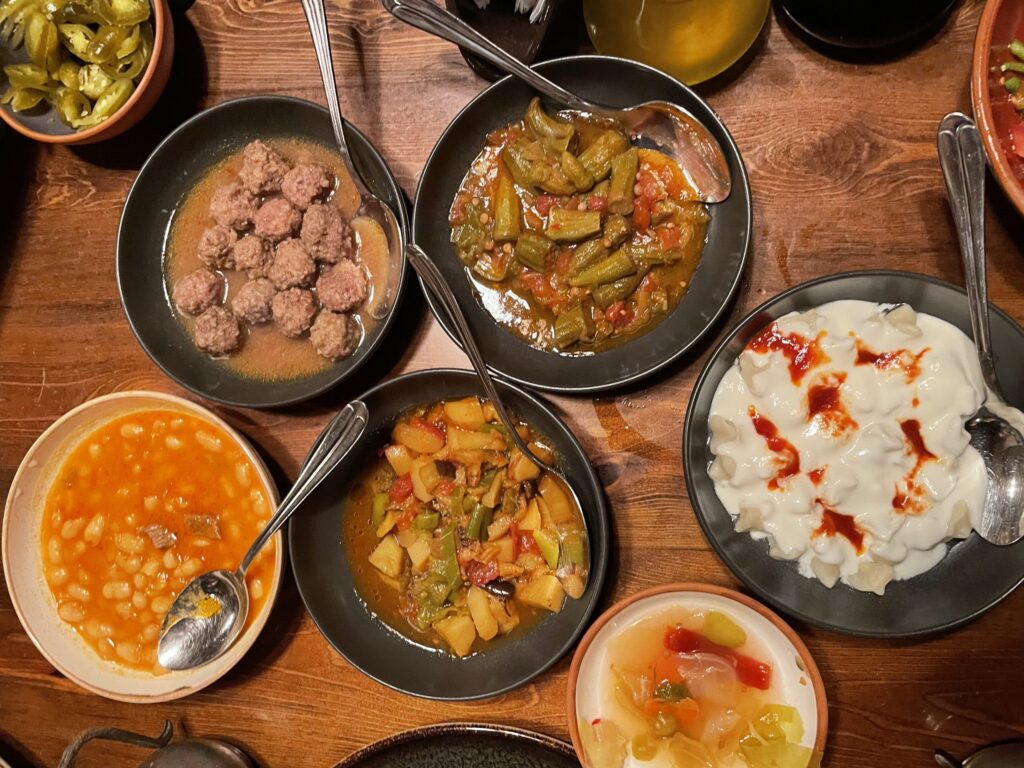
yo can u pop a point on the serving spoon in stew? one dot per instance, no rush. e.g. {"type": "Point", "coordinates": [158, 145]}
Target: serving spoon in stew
{"type": "Point", "coordinates": [371, 206]}
{"type": "Point", "coordinates": [209, 614]}
{"type": "Point", "coordinates": [572, 576]}
{"type": "Point", "coordinates": [658, 125]}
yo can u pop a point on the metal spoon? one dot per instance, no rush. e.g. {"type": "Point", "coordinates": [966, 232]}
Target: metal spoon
{"type": "Point", "coordinates": [438, 286]}
{"type": "Point", "coordinates": [658, 125]}
{"type": "Point", "coordinates": [999, 441]}
{"type": "Point", "coordinates": [210, 612]}
{"type": "Point", "coordinates": [1009, 754]}
{"type": "Point", "coordinates": [371, 205]}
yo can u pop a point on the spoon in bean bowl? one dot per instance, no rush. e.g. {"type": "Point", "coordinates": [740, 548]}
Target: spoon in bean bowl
{"type": "Point", "coordinates": [573, 557]}
{"type": "Point", "coordinates": [658, 125]}
{"type": "Point", "coordinates": [209, 614]}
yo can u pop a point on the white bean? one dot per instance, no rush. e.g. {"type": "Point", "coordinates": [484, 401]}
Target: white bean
{"type": "Point", "coordinates": [71, 612]}
{"type": "Point", "coordinates": [94, 450]}
{"type": "Point", "coordinates": [190, 567]}
{"type": "Point", "coordinates": [131, 430]}
{"type": "Point", "coordinates": [129, 542]}
{"type": "Point", "coordinates": [150, 632]}
{"type": "Point", "coordinates": [242, 474]}
{"type": "Point", "coordinates": [97, 629]}
{"type": "Point", "coordinates": [78, 592]}
{"type": "Point", "coordinates": [171, 560]}
{"type": "Point", "coordinates": [151, 566]}
{"type": "Point", "coordinates": [71, 528]}
{"type": "Point", "coordinates": [256, 589]}
{"type": "Point", "coordinates": [58, 575]}
{"type": "Point", "coordinates": [53, 551]}
{"type": "Point", "coordinates": [94, 530]}
{"type": "Point", "coordinates": [139, 580]}
{"type": "Point", "coordinates": [173, 442]}
{"type": "Point", "coordinates": [139, 600]}
{"type": "Point", "coordinates": [128, 563]}
{"type": "Point", "coordinates": [209, 442]}
{"type": "Point", "coordinates": [128, 651]}
{"type": "Point", "coordinates": [117, 590]}
{"type": "Point", "coordinates": [160, 605]}
{"type": "Point", "coordinates": [149, 503]}
{"type": "Point", "coordinates": [124, 610]}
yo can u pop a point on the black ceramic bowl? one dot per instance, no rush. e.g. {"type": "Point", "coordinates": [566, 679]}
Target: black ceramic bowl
{"type": "Point", "coordinates": [616, 82]}
{"type": "Point", "coordinates": [448, 745]}
{"type": "Point", "coordinates": [166, 178]}
{"type": "Point", "coordinates": [973, 576]}
{"type": "Point", "coordinates": [324, 575]}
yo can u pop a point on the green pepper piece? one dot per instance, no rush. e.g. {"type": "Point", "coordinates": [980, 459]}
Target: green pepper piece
{"type": "Point", "coordinates": [547, 543]}
{"type": "Point", "coordinates": [666, 691]}
{"type": "Point", "coordinates": [104, 45]}
{"type": "Point", "coordinates": [42, 42]}
{"type": "Point", "coordinates": [1017, 49]}
{"type": "Point", "coordinates": [1012, 84]}
{"type": "Point", "coordinates": [71, 105]}
{"type": "Point", "coordinates": [426, 521]}
{"type": "Point", "coordinates": [93, 80]}
{"type": "Point", "coordinates": [22, 99]}
{"type": "Point", "coordinates": [67, 74]}
{"type": "Point", "coordinates": [457, 497]}
{"type": "Point", "coordinates": [26, 76]}
{"type": "Point", "coordinates": [122, 12]}
{"type": "Point", "coordinates": [575, 552]}
{"type": "Point", "coordinates": [77, 38]}
{"type": "Point", "coordinates": [446, 543]}
{"type": "Point", "coordinates": [476, 522]}
{"type": "Point", "coordinates": [130, 43]}
{"type": "Point", "coordinates": [510, 501]}
{"type": "Point", "coordinates": [111, 100]}
{"type": "Point", "coordinates": [1012, 66]}
{"type": "Point", "coordinates": [379, 509]}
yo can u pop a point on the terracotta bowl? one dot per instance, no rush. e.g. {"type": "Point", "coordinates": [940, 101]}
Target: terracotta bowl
{"type": "Point", "coordinates": [47, 127]}
{"type": "Point", "coordinates": [797, 674]}
{"type": "Point", "coordinates": [1001, 22]}
{"type": "Point", "coordinates": [23, 567]}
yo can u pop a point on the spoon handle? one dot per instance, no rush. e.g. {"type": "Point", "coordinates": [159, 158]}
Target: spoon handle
{"type": "Point", "coordinates": [963, 166]}
{"type": "Point", "coordinates": [431, 18]}
{"type": "Point", "coordinates": [438, 286]}
{"type": "Point", "coordinates": [316, 18]}
{"type": "Point", "coordinates": [329, 449]}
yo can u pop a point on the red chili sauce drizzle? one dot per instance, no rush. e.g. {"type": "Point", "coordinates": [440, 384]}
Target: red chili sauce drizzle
{"type": "Point", "coordinates": [789, 456]}
{"type": "Point", "coordinates": [817, 475]}
{"type": "Point", "coordinates": [833, 523]}
{"type": "Point", "coordinates": [898, 360]}
{"type": "Point", "coordinates": [825, 405]}
{"type": "Point", "coordinates": [908, 499]}
{"type": "Point", "coordinates": [802, 353]}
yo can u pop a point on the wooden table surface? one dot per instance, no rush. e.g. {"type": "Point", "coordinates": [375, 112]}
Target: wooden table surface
{"type": "Point", "coordinates": [844, 175]}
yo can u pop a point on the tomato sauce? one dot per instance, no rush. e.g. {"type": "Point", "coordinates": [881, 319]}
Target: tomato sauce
{"type": "Point", "coordinates": [789, 456]}
{"type": "Point", "coordinates": [803, 354]}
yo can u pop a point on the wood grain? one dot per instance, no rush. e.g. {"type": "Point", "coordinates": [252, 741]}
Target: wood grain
{"type": "Point", "coordinates": [844, 175]}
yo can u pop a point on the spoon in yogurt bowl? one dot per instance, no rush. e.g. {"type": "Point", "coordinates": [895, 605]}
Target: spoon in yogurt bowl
{"type": "Point", "coordinates": [996, 429]}
{"type": "Point", "coordinates": [658, 125]}
{"type": "Point", "coordinates": [209, 614]}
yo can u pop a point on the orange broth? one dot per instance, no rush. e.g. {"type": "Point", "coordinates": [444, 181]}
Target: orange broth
{"type": "Point", "coordinates": [162, 468]}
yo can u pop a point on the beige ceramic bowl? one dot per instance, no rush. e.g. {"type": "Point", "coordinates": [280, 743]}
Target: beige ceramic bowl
{"type": "Point", "coordinates": [797, 677]}
{"type": "Point", "coordinates": [23, 566]}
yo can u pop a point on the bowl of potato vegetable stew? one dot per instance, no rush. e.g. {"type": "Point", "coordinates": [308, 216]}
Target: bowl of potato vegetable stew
{"type": "Point", "coordinates": [582, 261]}
{"type": "Point", "coordinates": [115, 509]}
{"type": "Point", "coordinates": [439, 559]}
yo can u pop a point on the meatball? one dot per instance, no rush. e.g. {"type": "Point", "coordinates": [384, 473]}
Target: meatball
{"type": "Point", "coordinates": [334, 336]}
{"type": "Point", "coordinates": [232, 205]}
{"type": "Point", "coordinates": [252, 302]}
{"type": "Point", "coordinates": [217, 331]}
{"type": "Point", "coordinates": [326, 234]}
{"type": "Point", "coordinates": [305, 183]}
{"type": "Point", "coordinates": [292, 267]}
{"type": "Point", "coordinates": [216, 247]}
{"type": "Point", "coordinates": [252, 253]}
{"type": "Point", "coordinates": [293, 311]}
{"type": "Point", "coordinates": [263, 169]}
{"type": "Point", "coordinates": [277, 219]}
{"type": "Point", "coordinates": [343, 287]}
{"type": "Point", "coordinates": [197, 291]}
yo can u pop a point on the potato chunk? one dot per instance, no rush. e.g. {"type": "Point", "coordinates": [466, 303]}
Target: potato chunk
{"type": "Point", "coordinates": [459, 632]}
{"type": "Point", "coordinates": [466, 413]}
{"type": "Point", "coordinates": [543, 592]}
{"type": "Point", "coordinates": [480, 611]}
{"type": "Point", "coordinates": [388, 557]}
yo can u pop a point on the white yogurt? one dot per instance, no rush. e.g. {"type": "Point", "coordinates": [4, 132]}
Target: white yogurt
{"type": "Point", "coordinates": [886, 472]}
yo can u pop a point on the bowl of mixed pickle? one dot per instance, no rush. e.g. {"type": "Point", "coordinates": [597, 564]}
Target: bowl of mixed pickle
{"type": "Point", "coordinates": [80, 71]}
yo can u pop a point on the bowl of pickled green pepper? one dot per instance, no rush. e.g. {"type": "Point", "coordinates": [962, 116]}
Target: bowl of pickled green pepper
{"type": "Point", "coordinates": [80, 71]}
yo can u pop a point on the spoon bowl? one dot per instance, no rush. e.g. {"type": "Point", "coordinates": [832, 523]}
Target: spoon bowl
{"type": "Point", "coordinates": [657, 125]}
{"type": "Point", "coordinates": [993, 429]}
{"type": "Point", "coordinates": [209, 614]}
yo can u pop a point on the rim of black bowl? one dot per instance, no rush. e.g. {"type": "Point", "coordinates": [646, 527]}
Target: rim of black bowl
{"type": "Point", "coordinates": [718, 546]}
{"type": "Point", "coordinates": [729, 147]}
{"type": "Point", "coordinates": [598, 558]}
{"type": "Point", "coordinates": [510, 732]}
{"type": "Point", "coordinates": [403, 230]}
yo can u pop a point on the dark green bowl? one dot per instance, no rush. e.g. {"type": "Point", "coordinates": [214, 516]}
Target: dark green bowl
{"type": "Point", "coordinates": [166, 179]}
